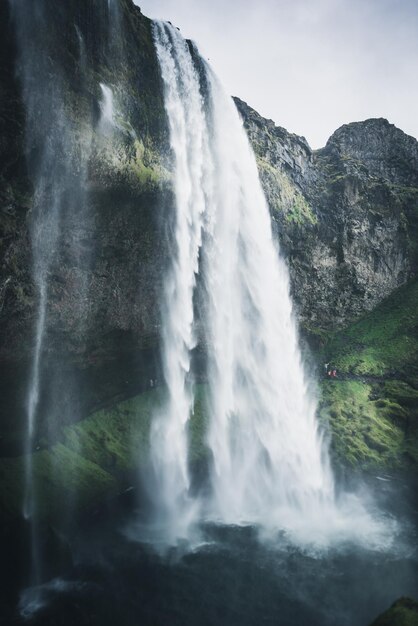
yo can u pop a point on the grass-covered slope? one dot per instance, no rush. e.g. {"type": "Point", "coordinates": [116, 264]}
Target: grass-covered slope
{"type": "Point", "coordinates": [94, 459]}
{"type": "Point", "coordinates": [404, 612]}
{"type": "Point", "coordinates": [373, 405]}
{"type": "Point", "coordinates": [383, 342]}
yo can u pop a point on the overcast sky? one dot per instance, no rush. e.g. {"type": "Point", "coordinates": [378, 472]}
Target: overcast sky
{"type": "Point", "coordinates": [310, 65]}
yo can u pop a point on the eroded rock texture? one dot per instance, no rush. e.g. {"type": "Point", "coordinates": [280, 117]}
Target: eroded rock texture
{"type": "Point", "coordinates": [346, 215]}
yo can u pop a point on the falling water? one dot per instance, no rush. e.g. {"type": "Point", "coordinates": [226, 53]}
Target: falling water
{"type": "Point", "coordinates": [263, 434]}
{"type": "Point", "coordinates": [107, 117]}
{"type": "Point", "coordinates": [188, 136]}
{"type": "Point", "coordinates": [45, 212]}
{"type": "Point", "coordinates": [270, 464]}
{"type": "Point", "coordinates": [269, 461]}
{"type": "Point", "coordinates": [56, 167]}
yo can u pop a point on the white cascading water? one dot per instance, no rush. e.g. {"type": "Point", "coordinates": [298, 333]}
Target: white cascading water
{"type": "Point", "coordinates": [184, 106]}
{"type": "Point", "coordinates": [270, 465]}
{"type": "Point", "coordinates": [107, 110]}
{"type": "Point", "coordinates": [268, 457]}
{"type": "Point", "coordinates": [269, 461]}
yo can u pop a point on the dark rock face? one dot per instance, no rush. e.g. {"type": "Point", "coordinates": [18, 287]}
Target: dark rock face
{"type": "Point", "coordinates": [105, 275]}
{"type": "Point", "coordinates": [346, 215]}
{"type": "Point", "coordinates": [114, 236]}
{"type": "Point", "coordinates": [385, 151]}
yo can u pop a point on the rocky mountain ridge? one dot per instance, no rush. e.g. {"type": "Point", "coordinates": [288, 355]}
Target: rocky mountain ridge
{"type": "Point", "coordinates": [346, 215]}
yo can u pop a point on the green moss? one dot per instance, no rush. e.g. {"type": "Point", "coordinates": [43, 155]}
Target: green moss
{"type": "Point", "coordinates": [147, 167]}
{"type": "Point", "coordinates": [288, 199]}
{"type": "Point", "coordinates": [300, 212]}
{"type": "Point", "coordinates": [110, 437]}
{"type": "Point", "coordinates": [383, 341]}
{"type": "Point", "coordinates": [363, 435]}
{"type": "Point", "coordinates": [96, 457]}
{"type": "Point", "coordinates": [373, 414]}
{"type": "Point", "coordinates": [373, 406]}
{"type": "Point", "coordinates": [90, 462]}
{"type": "Point", "coordinates": [404, 612]}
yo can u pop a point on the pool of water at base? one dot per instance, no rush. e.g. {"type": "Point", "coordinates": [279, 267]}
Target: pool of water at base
{"type": "Point", "coordinates": [227, 576]}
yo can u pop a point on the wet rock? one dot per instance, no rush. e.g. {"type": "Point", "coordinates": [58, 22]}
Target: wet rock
{"type": "Point", "coordinates": [403, 612]}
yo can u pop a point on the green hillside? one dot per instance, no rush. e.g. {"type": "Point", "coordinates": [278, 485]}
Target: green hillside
{"type": "Point", "coordinates": [373, 405]}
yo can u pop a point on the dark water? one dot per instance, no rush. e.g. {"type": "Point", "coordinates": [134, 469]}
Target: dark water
{"type": "Point", "coordinates": [230, 577]}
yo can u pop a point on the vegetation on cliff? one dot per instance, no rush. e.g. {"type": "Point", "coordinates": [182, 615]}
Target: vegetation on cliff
{"type": "Point", "coordinates": [403, 612]}
{"type": "Point", "coordinates": [373, 404]}
{"type": "Point", "coordinates": [94, 458]}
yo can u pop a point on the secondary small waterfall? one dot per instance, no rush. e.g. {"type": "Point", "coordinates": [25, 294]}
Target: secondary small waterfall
{"type": "Point", "coordinates": [107, 118]}
{"type": "Point", "coordinates": [45, 173]}
{"type": "Point", "coordinates": [56, 154]}
{"type": "Point", "coordinates": [269, 464]}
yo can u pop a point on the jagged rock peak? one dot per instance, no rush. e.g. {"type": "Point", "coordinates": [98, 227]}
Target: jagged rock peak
{"type": "Point", "coordinates": [376, 126]}
{"type": "Point", "coordinates": [387, 151]}
{"type": "Point", "coordinates": [249, 114]}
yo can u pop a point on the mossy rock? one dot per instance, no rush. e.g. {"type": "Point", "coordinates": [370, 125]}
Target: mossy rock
{"type": "Point", "coordinates": [370, 432]}
{"type": "Point", "coordinates": [404, 612]}
{"type": "Point", "coordinates": [363, 435]}
{"type": "Point", "coordinates": [96, 458]}
{"type": "Point", "coordinates": [373, 404]}
{"type": "Point", "coordinates": [383, 342]}
{"type": "Point", "coordinates": [91, 461]}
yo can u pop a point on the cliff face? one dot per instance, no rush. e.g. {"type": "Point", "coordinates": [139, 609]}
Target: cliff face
{"type": "Point", "coordinates": [114, 223]}
{"type": "Point", "coordinates": [346, 215]}
{"type": "Point", "coordinates": [83, 103]}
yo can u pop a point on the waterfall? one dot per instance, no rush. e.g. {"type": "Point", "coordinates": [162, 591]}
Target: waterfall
{"type": "Point", "coordinates": [44, 126]}
{"type": "Point", "coordinates": [107, 118]}
{"type": "Point", "coordinates": [269, 461]}
{"type": "Point", "coordinates": [188, 137]}
{"type": "Point", "coordinates": [56, 154]}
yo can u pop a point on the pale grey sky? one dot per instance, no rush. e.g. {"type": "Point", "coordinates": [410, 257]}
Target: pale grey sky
{"type": "Point", "coordinates": [310, 65]}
